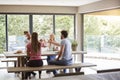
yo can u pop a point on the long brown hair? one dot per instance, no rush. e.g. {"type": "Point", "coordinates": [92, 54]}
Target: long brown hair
{"type": "Point", "coordinates": [35, 43]}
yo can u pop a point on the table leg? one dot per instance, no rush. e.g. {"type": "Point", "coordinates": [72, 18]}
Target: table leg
{"type": "Point", "coordinates": [18, 61]}
{"type": "Point", "coordinates": [23, 75]}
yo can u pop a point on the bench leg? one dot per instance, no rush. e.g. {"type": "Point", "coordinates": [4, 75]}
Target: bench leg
{"type": "Point", "coordinates": [39, 74]}
{"type": "Point", "coordinates": [15, 65]}
{"type": "Point", "coordinates": [77, 69]}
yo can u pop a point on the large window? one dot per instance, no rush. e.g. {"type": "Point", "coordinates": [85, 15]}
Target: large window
{"type": "Point", "coordinates": [102, 34]}
{"type": "Point", "coordinates": [17, 24]}
{"type": "Point", "coordinates": [64, 22]}
{"type": "Point", "coordinates": [43, 25]}
{"type": "Point", "coordinates": [2, 34]}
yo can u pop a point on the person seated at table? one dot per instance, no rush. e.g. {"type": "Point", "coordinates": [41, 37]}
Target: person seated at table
{"type": "Point", "coordinates": [28, 37]}
{"type": "Point", "coordinates": [65, 54]}
{"type": "Point", "coordinates": [51, 47]}
{"type": "Point", "coordinates": [34, 52]}
{"type": "Point", "coordinates": [27, 40]}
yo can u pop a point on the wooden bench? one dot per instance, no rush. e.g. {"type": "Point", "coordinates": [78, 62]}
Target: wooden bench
{"type": "Point", "coordinates": [108, 70]}
{"type": "Point", "coordinates": [47, 67]}
{"type": "Point", "coordinates": [7, 60]}
{"type": "Point", "coordinates": [104, 70]}
{"type": "Point", "coordinates": [69, 74]}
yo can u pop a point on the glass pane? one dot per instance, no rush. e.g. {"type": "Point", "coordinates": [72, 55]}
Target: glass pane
{"type": "Point", "coordinates": [102, 34]}
{"type": "Point", "coordinates": [2, 34]}
{"type": "Point", "coordinates": [43, 25]}
{"type": "Point", "coordinates": [64, 22]}
{"type": "Point", "coordinates": [17, 24]}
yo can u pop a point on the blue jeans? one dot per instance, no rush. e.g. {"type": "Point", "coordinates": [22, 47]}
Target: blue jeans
{"type": "Point", "coordinates": [60, 62]}
{"type": "Point", "coordinates": [50, 58]}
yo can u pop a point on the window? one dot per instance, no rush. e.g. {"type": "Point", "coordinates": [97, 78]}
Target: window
{"type": "Point", "coordinates": [17, 24]}
{"type": "Point", "coordinates": [43, 25]}
{"type": "Point", "coordinates": [102, 34]}
{"type": "Point", "coordinates": [64, 22]}
{"type": "Point", "coordinates": [2, 34]}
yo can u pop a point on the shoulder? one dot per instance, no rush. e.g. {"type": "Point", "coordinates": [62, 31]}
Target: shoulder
{"type": "Point", "coordinates": [63, 41]}
{"type": "Point", "coordinates": [29, 44]}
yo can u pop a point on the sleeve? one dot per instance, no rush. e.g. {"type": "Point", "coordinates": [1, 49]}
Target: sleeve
{"type": "Point", "coordinates": [42, 44]}
{"type": "Point", "coordinates": [62, 42]}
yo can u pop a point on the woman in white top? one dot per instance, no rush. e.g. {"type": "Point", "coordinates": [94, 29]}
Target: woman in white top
{"type": "Point", "coordinates": [51, 47]}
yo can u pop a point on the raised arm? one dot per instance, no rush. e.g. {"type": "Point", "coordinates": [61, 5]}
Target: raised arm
{"type": "Point", "coordinates": [55, 43]}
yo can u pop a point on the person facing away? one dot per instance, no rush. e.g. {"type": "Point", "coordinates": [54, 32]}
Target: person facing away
{"type": "Point", "coordinates": [65, 54]}
{"type": "Point", "coordinates": [34, 53]}
{"type": "Point", "coordinates": [28, 37]}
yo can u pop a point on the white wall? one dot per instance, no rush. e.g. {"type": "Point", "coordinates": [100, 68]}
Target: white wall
{"type": "Point", "coordinates": [36, 9]}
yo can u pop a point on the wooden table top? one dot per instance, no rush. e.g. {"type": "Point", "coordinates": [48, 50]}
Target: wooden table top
{"type": "Point", "coordinates": [44, 53]}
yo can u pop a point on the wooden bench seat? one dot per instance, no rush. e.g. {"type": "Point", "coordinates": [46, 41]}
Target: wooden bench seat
{"type": "Point", "coordinates": [108, 70]}
{"type": "Point", "coordinates": [7, 60]}
{"type": "Point", "coordinates": [69, 74]}
{"type": "Point", "coordinates": [104, 70]}
{"type": "Point", "coordinates": [47, 67]}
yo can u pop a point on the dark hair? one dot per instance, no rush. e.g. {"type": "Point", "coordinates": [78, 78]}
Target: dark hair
{"type": "Point", "coordinates": [25, 32]}
{"type": "Point", "coordinates": [64, 33]}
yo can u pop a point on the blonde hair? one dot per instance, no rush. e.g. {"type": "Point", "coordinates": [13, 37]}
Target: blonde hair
{"type": "Point", "coordinates": [52, 37]}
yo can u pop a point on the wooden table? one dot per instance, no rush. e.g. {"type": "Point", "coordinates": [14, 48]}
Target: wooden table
{"type": "Point", "coordinates": [44, 53]}
{"type": "Point", "coordinates": [20, 56]}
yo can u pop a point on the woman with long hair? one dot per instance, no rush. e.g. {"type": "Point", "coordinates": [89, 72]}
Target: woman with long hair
{"type": "Point", "coordinates": [34, 53]}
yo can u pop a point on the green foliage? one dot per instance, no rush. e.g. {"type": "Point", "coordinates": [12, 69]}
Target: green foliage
{"type": "Point", "coordinates": [43, 24]}
{"type": "Point", "coordinates": [2, 33]}
{"type": "Point", "coordinates": [65, 22]}
{"type": "Point", "coordinates": [17, 24]}
{"type": "Point", "coordinates": [74, 43]}
{"type": "Point", "coordinates": [97, 26]}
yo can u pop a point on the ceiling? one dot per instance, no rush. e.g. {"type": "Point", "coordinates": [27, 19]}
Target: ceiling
{"type": "Point", "coordinates": [47, 2]}
{"type": "Point", "coordinates": [114, 12]}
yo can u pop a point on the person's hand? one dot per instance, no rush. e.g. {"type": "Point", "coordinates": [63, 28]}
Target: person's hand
{"type": "Point", "coordinates": [49, 41]}
{"type": "Point", "coordinates": [57, 59]}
